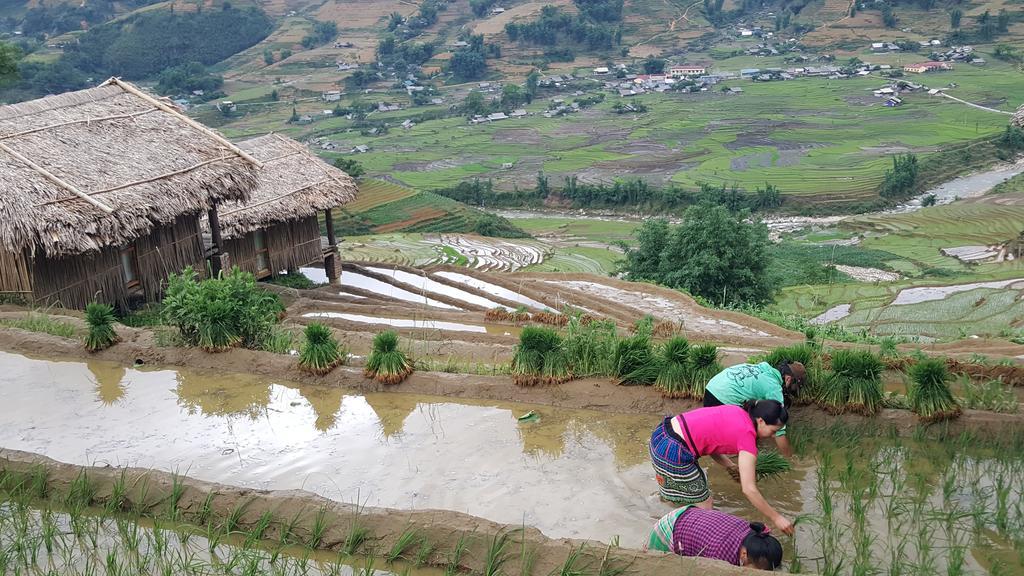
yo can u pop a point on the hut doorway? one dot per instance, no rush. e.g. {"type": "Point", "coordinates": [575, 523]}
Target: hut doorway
{"type": "Point", "coordinates": [130, 269]}
{"type": "Point", "coordinates": [262, 253]}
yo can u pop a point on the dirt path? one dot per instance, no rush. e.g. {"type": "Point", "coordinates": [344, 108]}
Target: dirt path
{"type": "Point", "coordinates": [972, 105]}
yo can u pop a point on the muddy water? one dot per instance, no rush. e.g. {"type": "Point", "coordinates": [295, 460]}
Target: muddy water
{"type": "Point", "coordinates": [498, 329]}
{"type": "Point", "coordinates": [425, 283]}
{"type": "Point", "coordinates": [572, 473]}
{"type": "Point", "coordinates": [384, 289]}
{"type": "Point", "coordinates": [931, 293]}
{"type": "Point", "coordinates": [492, 289]}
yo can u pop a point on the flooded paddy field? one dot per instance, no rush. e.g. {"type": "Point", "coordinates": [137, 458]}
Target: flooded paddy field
{"type": "Point", "coordinates": [865, 504]}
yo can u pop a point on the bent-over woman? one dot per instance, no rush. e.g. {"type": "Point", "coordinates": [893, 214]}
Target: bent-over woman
{"type": "Point", "coordinates": [679, 441]}
{"type": "Point", "coordinates": [692, 531]}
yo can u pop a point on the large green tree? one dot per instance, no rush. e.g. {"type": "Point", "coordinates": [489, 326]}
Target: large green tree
{"type": "Point", "coordinates": [8, 62]}
{"type": "Point", "coordinates": [714, 253]}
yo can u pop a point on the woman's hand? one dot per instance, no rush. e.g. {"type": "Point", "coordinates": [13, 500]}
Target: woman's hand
{"type": "Point", "coordinates": [734, 471]}
{"type": "Point", "coordinates": [782, 524]}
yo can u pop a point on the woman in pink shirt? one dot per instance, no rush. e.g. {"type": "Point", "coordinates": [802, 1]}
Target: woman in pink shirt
{"type": "Point", "coordinates": [678, 443]}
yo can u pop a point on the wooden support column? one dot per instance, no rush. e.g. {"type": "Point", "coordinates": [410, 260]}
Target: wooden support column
{"type": "Point", "coordinates": [219, 259]}
{"type": "Point", "coordinates": [332, 260]}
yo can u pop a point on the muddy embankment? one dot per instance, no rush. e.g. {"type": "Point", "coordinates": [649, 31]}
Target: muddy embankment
{"type": "Point", "coordinates": [149, 492]}
{"type": "Point", "coordinates": [599, 394]}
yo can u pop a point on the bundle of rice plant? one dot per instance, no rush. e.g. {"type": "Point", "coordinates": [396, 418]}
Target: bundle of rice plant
{"type": "Point", "coordinates": [320, 351]}
{"type": "Point", "coordinates": [387, 364]}
{"type": "Point", "coordinates": [861, 373]}
{"type": "Point", "coordinates": [498, 314]}
{"type": "Point", "coordinates": [929, 394]}
{"type": "Point", "coordinates": [590, 348]}
{"type": "Point", "coordinates": [770, 463]}
{"type": "Point", "coordinates": [539, 358]}
{"type": "Point", "coordinates": [834, 394]}
{"type": "Point", "coordinates": [673, 378]}
{"type": "Point", "coordinates": [550, 318]}
{"type": "Point", "coordinates": [101, 335]}
{"type": "Point", "coordinates": [703, 366]}
{"type": "Point", "coordinates": [808, 355]}
{"type": "Point", "coordinates": [635, 362]}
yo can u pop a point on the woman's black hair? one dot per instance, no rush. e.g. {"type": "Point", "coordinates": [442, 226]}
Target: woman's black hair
{"type": "Point", "coordinates": [785, 370]}
{"type": "Point", "coordinates": [763, 550]}
{"type": "Point", "coordinates": [771, 411]}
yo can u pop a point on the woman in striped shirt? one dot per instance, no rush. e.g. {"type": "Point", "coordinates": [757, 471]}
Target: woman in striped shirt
{"type": "Point", "coordinates": [692, 531]}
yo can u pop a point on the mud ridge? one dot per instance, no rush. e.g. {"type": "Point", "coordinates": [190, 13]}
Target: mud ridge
{"type": "Point", "coordinates": [149, 492]}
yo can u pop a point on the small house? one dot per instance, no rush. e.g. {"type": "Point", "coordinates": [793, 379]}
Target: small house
{"type": "Point", "coordinates": [894, 102]}
{"type": "Point", "coordinates": [923, 67]}
{"type": "Point", "coordinates": [686, 70]}
{"type": "Point", "coordinates": [331, 96]}
{"type": "Point", "coordinates": [278, 228]}
{"type": "Point", "coordinates": [601, 70]}
{"type": "Point", "coordinates": [102, 195]}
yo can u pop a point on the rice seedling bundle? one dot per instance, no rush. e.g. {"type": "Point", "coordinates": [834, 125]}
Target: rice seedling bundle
{"type": "Point", "coordinates": [320, 352]}
{"type": "Point", "coordinates": [550, 318]}
{"type": "Point", "coordinates": [499, 314]}
{"type": "Point", "coordinates": [673, 378]}
{"type": "Point", "coordinates": [539, 358]}
{"type": "Point", "coordinates": [860, 373]}
{"type": "Point", "coordinates": [589, 348]}
{"type": "Point", "coordinates": [635, 362]}
{"type": "Point", "coordinates": [100, 319]}
{"type": "Point", "coordinates": [387, 364]}
{"type": "Point", "coordinates": [770, 463]}
{"type": "Point", "coordinates": [703, 366]}
{"type": "Point", "coordinates": [929, 395]}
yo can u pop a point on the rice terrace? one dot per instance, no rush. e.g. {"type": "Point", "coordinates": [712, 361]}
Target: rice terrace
{"type": "Point", "coordinates": [511, 288]}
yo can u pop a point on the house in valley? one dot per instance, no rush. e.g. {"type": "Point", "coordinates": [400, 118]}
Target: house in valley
{"type": "Point", "coordinates": [924, 67]}
{"type": "Point", "coordinates": [278, 228]}
{"type": "Point", "coordinates": [102, 194]}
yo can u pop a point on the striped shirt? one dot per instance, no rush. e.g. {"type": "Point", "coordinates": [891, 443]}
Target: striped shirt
{"type": "Point", "coordinates": [709, 534]}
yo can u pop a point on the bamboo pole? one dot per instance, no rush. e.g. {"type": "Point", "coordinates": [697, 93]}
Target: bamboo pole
{"type": "Point", "coordinates": [170, 110]}
{"type": "Point", "coordinates": [133, 115]}
{"type": "Point", "coordinates": [56, 180]}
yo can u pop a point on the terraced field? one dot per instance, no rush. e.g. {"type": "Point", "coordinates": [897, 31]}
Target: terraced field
{"type": "Point", "coordinates": [373, 193]}
{"type": "Point", "coordinates": [481, 253]}
{"type": "Point", "coordinates": [382, 207]}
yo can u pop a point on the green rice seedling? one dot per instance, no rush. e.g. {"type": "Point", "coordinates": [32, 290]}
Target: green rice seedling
{"type": "Point", "coordinates": [858, 375]}
{"type": "Point", "coordinates": [38, 482]}
{"type": "Point", "coordinates": [174, 498]}
{"type": "Point", "coordinates": [205, 513]}
{"type": "Point", "coordinates": [260, 527]}
{"type": "Point", "coordinates": [81, 493]}
{"type": "Point", "coordinates": [423, 553]}
{"type": "Point", "coordinates": [387, 364]}
{"type": "Point", "coordinates": [320, 352]}
{"type": "Point", "coordinates": [454, 564]}
{"type": "Point", "coordinates": [589, 348]}
{"type": "Point", "coordinates": [320, 525]}
{"type": "Point", "coordinates": [357, 532]}
{"type": "Point", "coordinates": [929, 395]}
{"type": "Point", "coordinates": [539, 358]}
{"type": "Point", "coordinates": [278, 340]}
{"type": "Point", "coordinates": [368, 563]}
{"type": "Point", "coordinates": [406, 540]}
{"type": "Point", "coordinates": [635, 361]}
{"type": "Point", "coordinates": [993, 396]}
{"type": "Point", "coordinates": [770, 464]}
{"type": "Point", "coordinates": [573, 565]}
{"type": "Point", "coordinates": [100, 320]}
{"type": "Point", "coordinates": [234, 519]}
{"type": "Point", "coordinates": [703, 366]}
{"type": "Point", "coordinates": [497, 554]}
{"type": "Point", "coordinates": [118, 494]}
{"type": "Point", "coordinates": [288, 532]}
{"type": "Point", "coordinates": [673, 378]}
{"type": "Point", "coordinates": [611, 566]}
{"type": "Point", "coordinates": [36, 321]}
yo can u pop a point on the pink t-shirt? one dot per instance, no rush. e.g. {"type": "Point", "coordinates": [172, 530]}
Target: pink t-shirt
{"type": "Point", "coordinates": [719, 430]}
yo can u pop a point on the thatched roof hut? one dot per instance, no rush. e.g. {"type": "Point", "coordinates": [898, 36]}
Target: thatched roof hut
{"type": "Point", "coordinates": [280, 218]}
{"type": "Point", "coordinates": [89, 173]}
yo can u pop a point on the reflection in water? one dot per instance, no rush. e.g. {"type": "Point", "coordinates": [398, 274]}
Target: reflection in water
{"type": "Point", "coordinates": [864, 502]}
{"type": "Point", "coordinates": [109, 381]}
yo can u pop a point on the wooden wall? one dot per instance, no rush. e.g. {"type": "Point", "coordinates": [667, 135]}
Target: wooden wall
{"type": "Point", "coordinates": [290, 245]}
{"type": "Point", "coordinates": [15, 275]}
{"type": "Point", "coordinates": [73, 282]}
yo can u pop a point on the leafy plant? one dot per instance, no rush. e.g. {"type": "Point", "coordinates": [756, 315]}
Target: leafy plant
{"type": "Point", "coordinates": [674, 377]}
{"type": "Point", "coordinates": [929, 394]}
{"type": "Point", "coordinates": [635, 361]}
{"type": "Point", "coordinates": [219, 313]}
{"type": "Point", "coordinates": [387, 364]}
{"type": "Point", "coordinates": [539, 358]}
{"type": "Point", "coordinates": [100, 320]}
{"type": "Point", "coordinates": [405, 541]}
{"type": "Point", "coordinates": [320, 352]}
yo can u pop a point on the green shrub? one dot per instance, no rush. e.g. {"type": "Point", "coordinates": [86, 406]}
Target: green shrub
{"type": "Point", "coordinates": [589, 348]}
{"type": "Point", "coordinates": [703, 365]}
{"type": "Point", "coordinates": [320, 351]}
{"type": "Point", "coordinates": [857, 376]}
{"type": "Point", "coordinates": [539, 358]}
{"type": "Point", "coordinates": [387, 364]}
{"type": "Point", "coordinates": [929, 394]}
{"type": "Point", "coordinates": [219, 313]}
{"type": "Point", "coordinates": [100, 320]}
{"type": "Point", "coordinates": [296, 280]}
{"type": "Point", "coordinates": [674, 377]}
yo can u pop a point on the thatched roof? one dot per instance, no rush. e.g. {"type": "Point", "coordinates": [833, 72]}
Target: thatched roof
{"type": "Point", "coordinates": [101, 167]}
{"type": "Point", "coordinates": [293, 184]}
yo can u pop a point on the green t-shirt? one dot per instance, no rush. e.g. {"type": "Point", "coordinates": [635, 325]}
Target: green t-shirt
{"type": "Point", "coordinates": [737, 384]}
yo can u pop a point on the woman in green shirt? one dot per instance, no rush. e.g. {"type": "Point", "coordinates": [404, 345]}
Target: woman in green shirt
{"type": "Point", "coordinates": [737, 384]}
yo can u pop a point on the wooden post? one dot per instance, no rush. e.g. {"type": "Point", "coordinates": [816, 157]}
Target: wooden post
{"type": "Point", "coordinates": [216, 263]}
{"type": "Point", "coordinates": [332, 263]}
